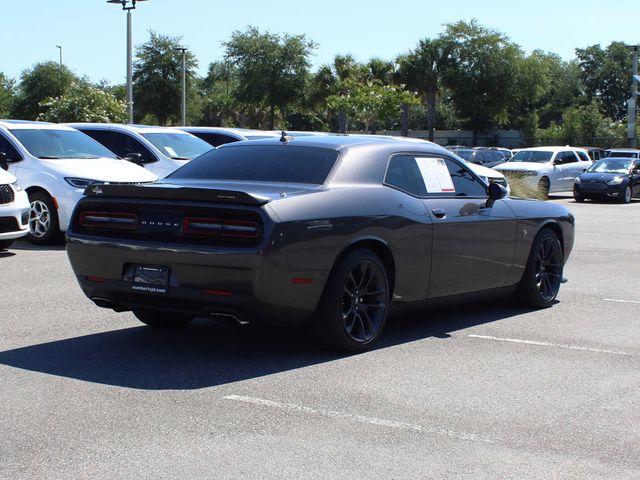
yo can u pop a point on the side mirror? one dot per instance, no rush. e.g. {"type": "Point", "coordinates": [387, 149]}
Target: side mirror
{"type": "Point", "coordinates": [136, 158]}
{"type": "Point", "coordinates": [558, 161]}
{"type": "Point", "coordinates": [497, 191]}
{"type": "Point", "coordinates": [3, 161]}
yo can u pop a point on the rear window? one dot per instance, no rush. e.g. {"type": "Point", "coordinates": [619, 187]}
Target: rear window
{"type": "Point", "coordinates": [261, 163]}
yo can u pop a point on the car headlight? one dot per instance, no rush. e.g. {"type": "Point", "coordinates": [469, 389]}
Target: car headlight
{"type": "Point", "coordinates": [578, 180]}
{"type": "Point", "coordinates": [616, 181]}
{"type": "Point", "coordinates": [80, 182]}
{"type": "Point", "coordinates": [529, 173]}
{"type": "Point", "coordinates": [17, 186]}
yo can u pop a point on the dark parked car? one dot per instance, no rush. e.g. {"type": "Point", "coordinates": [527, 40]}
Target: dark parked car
{"type": "Point", "coordinates": [328, 231]}
{"type": "Point", "coordinates": [485, 157]}
{"type": "Point", "coordinates": [613, 178]}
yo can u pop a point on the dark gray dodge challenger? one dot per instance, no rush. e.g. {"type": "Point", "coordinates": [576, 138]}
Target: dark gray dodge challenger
{"type": "Point", "coordinates": [324, 231]}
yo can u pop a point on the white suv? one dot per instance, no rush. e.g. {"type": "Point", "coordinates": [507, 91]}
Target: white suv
{"type": "Point", "coordinates": [160, 150]}
{"type": "Point", "coordinates": [14, 208]}
{"type": "Point", "coordinates": [55, 164]}
{"type": "Point", "coordinates": [550, 169]}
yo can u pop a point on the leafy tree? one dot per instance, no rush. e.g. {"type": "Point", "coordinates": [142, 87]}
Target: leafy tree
{"type": "Point", "coordinates": [369, 102]}
{"type": "Point", "coordinates": [480, 74]}
{"type": "Point", "coordinates": [44, 80]}
{"type": "Point", "coordinates": [84, 103]}
{"type": "Point", "coordinates": [606, 74]}
{"type": "Point", "coordinates": [422, 71]}
{"type": "Point", "coordinates": [7, 94]}
{"type": "Point", "coordinates": [157, 75]}
{"type": "Point", "coordinates": [272, 69]}
{"type": "Point", "coordinates": [565, 88]}
{"type": "Point", "coordinates": [219, 105]}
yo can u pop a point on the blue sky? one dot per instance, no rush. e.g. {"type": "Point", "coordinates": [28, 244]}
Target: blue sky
{"type": "Point", "coordinates": [92, 32]}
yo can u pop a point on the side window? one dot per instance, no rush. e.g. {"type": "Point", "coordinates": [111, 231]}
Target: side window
{"type": "Point", "coordinates": [583, 157]}
{"type": "Point", "coordinates": [465, 184]}
{"type": "Point", "coordinates": [100, 136]}
{"type": "Point", "coordinates": [9, 150]}
{"type": "Point", "coordinates": [216, 139]}
{"type": "Point", "coordinates": [568, 157]}
{"type": "Point", "coordinates": [425, 176]}
{"type": "Point", "coordinates": [123, 145]}
{"type": "Point", "coordinates": [403, 173]}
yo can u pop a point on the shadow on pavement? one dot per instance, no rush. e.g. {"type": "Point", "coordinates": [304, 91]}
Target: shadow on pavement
{"type": "Point", "coordinates": [208, 354]}
{"type": "Point", "coordinates": [27, 245]}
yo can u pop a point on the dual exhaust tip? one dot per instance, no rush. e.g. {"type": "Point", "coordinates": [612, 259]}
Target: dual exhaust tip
{"type": "Point", "coordinates": [225, 316]}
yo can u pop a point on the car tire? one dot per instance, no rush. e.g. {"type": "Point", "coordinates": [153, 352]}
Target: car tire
{"type": "Point", "coordinates": [543, 274]}
{"type": "Point", "coordinates": [157, 319]}
{"type": "Point", "coordinates": [353, 309]}
{"type": "Point", "coordinates": [44, 228]}
{"type": "Point", "coordinates": [4, 244]}
{"type": "Point", "coordinates": [543, 187]}
{"type": "Point", "coordinates": [627, 195]}
{"type": "Point", "coordinates": [578, 198]}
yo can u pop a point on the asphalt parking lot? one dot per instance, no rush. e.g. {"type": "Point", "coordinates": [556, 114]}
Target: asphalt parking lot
{"type": "Point", "coordinates": [480, 391]}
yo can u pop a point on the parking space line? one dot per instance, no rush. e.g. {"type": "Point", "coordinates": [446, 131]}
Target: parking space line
{"type": "Point", "coordinates": [379, 422]}
{"type": "Point", "coordinates": [620, 301]}
{"type": "Point", "coordinates": [554, 345]}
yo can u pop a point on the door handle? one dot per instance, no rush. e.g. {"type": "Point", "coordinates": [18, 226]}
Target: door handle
{"type": "Point", "coordinates": [438, 212]}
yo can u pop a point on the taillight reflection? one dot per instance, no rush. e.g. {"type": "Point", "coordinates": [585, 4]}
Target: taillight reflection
{"type": "Point", "coordinates": [108, 220]}
{"type": "Point", "coordinates": [220, 227]}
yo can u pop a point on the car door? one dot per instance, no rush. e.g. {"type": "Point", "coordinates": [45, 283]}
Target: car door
{"type": "Point", "coordinates": [473, 237]}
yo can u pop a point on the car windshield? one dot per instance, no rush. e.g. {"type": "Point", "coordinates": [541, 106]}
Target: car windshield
{"type": "Point", "coordinates": [179, 146]}
{"type": "Point", "coordinates": [535, 156]}
{"type": "Point", "coordinates": [56, 144]}
{"type": "Point", "coordinates": [259, 163]}
{"type": "Point", "coordinates": [464, 154]}
{"type": "Point", "coordinates": [611, 165]}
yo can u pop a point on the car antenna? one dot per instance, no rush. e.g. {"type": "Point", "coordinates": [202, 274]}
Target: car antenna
{"type": "Point", "coordinates": [285, 138]}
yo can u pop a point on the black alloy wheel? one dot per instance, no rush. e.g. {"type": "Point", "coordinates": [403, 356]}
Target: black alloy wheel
{"type": "Point", "coordinates": [543, 275]}
{"type": "Point", "coordinates": [626, 195]}
{"type": "Point", "coordinates": [354, 306]}
{"type": "Point", "coordinates": [578, 198]}
{"type": "Point", "coordinates": [157, 319]}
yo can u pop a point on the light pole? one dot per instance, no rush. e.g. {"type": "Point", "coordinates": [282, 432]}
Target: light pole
{"type": "Point", "coordinates": [183, 102]}
{"type": "Point", "coordinates": [128, 5]}
{"type": "Point", "coordinates": [631, 103]}
{"type": "Point", "coordinates": [60, 48]}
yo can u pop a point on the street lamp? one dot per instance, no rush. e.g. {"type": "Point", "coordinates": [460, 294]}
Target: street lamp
{"type": "Point", "coordinates": [184, 85]}
{"type": "Point", "coordinates": [128, 5]}
{"type": "Point", "coordinates": [60, 48]}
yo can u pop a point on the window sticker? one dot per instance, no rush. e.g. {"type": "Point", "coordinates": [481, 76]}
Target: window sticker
{"type": "Point", "coordinates": [170, 151]}
{"type": "Point", "coordinates": [436, 175]}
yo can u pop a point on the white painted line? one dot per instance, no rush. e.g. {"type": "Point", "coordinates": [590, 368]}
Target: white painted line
{"type": "Point", "coordinates": [555, 345]}
{"type": "Point", "coordinates": [620, 301]}
{"type": "Point", "coordinates": [380, 422]}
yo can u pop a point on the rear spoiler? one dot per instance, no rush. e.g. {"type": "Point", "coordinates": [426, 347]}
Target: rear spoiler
{"type": "Point", "coordinates": [167, 191]}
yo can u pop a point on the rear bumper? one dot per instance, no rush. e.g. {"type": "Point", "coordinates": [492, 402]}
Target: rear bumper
{"type": "Point", "coordinates": [254, 285]}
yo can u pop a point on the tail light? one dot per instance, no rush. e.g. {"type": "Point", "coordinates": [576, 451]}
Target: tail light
{"type": "Point", "coordinates": [220, 227]}
{"type": "Point", "coordinates": [109, 220]}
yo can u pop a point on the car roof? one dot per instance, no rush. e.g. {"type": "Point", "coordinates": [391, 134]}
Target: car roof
{"type": "Point", "coordinates": [337, 142]}
{"type": "Point", "coordinates": [30, 125]}
{"type": "Point", "coordinates": [128, 128]}
{"type": "Point", "coordinates": [554, 149]}
{"type": "Point", "coordinates": [635, 150]}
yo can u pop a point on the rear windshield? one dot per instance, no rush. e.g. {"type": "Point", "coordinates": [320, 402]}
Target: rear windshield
{"type": "Point", "coordinates": [262, 163]}
{"type": "Point", "coordinates": [617, 153]}
{"type": "Point", "coordinates": [535, 156]}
